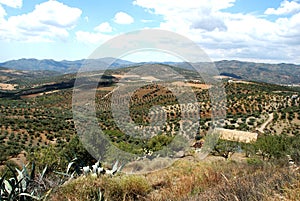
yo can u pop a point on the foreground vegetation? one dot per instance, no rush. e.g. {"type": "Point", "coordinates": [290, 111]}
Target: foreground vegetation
{"type": "Point", "coordinates": [188, 180]}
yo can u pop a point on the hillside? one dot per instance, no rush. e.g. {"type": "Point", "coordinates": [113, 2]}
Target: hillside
{"type": "Point", "coordinates": [61, 66]}
{"type": "Point", "coordinates": [249, 105]}
{"type": "Point", "coordinates": [286, 74]}
{"type": "Point", "coordinates": [38, 127]}
{"type": "Point", "coordinates": [270, 73]}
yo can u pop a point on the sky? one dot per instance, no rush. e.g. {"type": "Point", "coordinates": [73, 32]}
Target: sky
{"type": "Point", "coordinates": [246, 30]}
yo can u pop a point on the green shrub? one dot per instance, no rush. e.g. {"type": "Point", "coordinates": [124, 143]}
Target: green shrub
{"type": "Point", "coordinates": [254, 161]}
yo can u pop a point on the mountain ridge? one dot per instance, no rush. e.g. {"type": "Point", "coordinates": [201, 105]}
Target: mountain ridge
{"type": "Point", "coordinates": [64, 66]}
{"type": "Point", "coordinates": [281, 73]}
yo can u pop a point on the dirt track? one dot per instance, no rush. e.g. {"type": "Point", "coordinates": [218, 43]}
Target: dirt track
{"type": "Point", "coordinates": [263, 126]}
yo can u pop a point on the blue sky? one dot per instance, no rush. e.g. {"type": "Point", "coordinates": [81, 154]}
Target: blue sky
{"type": "Point", "coordinates": [248, 30]}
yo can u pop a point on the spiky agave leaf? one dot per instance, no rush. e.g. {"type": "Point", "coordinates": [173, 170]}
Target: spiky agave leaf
{"type": "Point", "coordinates": [86, 170]}
{"type": "Point", "coordinates": [16, 188]}
{"type": "Point", "coordinates": [2, 185]}
{"type": "Point", "coordinates": [95, 166]}
{"type": "Point", "coordinates": [69, 166]}
{"type": "Point", "coordinates": [7, 186]}
{"type": "Point", "coordinates": [113, 170]}
{"type": "Point", "coordinates": [21, 178]}
{"type": "Point", "coordinates": [30, 195]}
{"type": "Point", "coordinates": [120, 167]}
{"type": "Point", "coordinates": [32, 174]}
{"type": "Point", "coordinates": [43, 173]}
{"type": "Point", "coordinates": [115, 167]}
{"type": "Point", "coordinates": [100, 170]}
{"type": "Point", "coordinates": [24, 170]}
{"type": "Point", "coordinates": [101, 196]}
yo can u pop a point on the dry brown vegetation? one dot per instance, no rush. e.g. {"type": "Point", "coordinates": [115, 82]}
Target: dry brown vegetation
{"type": "Point", "coordinates": [188, 180]}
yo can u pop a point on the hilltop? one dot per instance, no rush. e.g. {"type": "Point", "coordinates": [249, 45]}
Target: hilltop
{"type": "Point", "coordinates": [286, 74]}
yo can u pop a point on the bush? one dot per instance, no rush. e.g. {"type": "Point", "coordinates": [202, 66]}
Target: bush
{"type": "Point", "coordinates": [254, 161]}
{"type": "Point", "coordinates": [272, 146]}
{"type": "Point", "coordinates": [57, 158]}
{"type": "Point", "coordinates": [49, 157]}
{"type": "Point", "coordinates": [225, 148]}
{"type": "Point", "coordinates": [295, 149]}
{"type": "Point", "coordinates": [158, 142]}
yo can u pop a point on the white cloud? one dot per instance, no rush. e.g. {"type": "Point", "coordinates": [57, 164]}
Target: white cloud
{"type": "Point", "coordinates": [103, 27]}
{"type": "Point", "coordinates": [101, 33]}
{"type": "Point", "coordinates": [12, 3]}
{"type": "Point", "coordinates": [286, 7]}
{"type": "Point", "coordinates": [166, 7]}
{"type": "Point", "coordinates": [209, 24]}
{"type": "Point", "coordinates": [49, 21]}
{"type": "Point", "coordinates": [182, 14]}
{"type": "Point", "coordinates": [2, 13]}
{"type": "Point", "coordinates": [225, 35]}
{"type": "Point", "coordinates": [123, 18]}
{"type": "Point", "coordinates": [289, 27]}
{"type": "Point", "coordinates": [146, 21]}
{"type": "Point", "coordinates": [92, 37]}
{"type": "Point", "coordinates": [54, 13]}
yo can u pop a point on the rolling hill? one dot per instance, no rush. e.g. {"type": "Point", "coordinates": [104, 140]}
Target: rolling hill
{"type": "Point", "coordinates": [284, 74]}
{"type": "Point", "coordinates": [62, 66]}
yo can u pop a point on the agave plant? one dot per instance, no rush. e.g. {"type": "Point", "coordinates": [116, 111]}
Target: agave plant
{"type": "Point", "coordinates": [97, 169]}
{"type": "Point", "coordinates": [19, 187]}
{"type": "Point", "coordinates": [101, 196]}
{"type": "Point", "coordinates": [68, 171]}
{"type": "Point", "coordinates": [115, 169]}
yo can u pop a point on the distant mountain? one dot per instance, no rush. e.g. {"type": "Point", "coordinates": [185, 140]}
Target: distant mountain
{"type": "Point", "coordinates": [64, 66]}
{"type": "Point", "coordinates": [261, 72]}
{"type": "Point", "coordinates": [286, 74]}
{"type": "Point", "coordinates": [10, 75]}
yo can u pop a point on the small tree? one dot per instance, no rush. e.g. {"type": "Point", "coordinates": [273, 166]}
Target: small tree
{"type": "Point", "coordinates": [295, 149]}
{"type": "Point", "coordinates": [272, 146]}
{"type": "Point", "coordinates": [248, 148]}
{"type": "Point", "coordinates": [225, 148]}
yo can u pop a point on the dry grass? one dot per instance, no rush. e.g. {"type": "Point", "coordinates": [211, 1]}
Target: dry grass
{"type": "Point", "coordinates": [126, 187]}
{"type": "Point", "coordinates": [147, 165]}
{"type": "Point", "coordinates": [81, 189]}
{"type": "Point", "coordinates": [189, 180]}
{"type": "Point", "coordinates": [266, 183]}
{"type": "Point", "coordinates": [182, 179]}
{"type": "Point", "coordinates": [292, 192]}
{"type": "Point", "coordinates": [118, 188]}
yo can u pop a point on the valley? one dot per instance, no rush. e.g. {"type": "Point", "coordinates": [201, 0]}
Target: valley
{"type": "Point", "coordinates": [37, 125]}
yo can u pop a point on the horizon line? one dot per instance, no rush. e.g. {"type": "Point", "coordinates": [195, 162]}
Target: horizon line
{"type": "Point", "coordinates": [166, 61]}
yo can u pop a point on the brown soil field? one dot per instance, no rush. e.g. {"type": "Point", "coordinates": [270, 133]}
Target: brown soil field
{"type": "Point", "coordinates": [196, 85]}
{"type": "Point", "coordinates": [8, 87]}
{"type": "Point", "coordinates": [39, 94]}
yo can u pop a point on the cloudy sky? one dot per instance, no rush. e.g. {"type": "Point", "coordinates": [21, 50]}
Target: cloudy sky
{"type": "Point", "coordinates": [249, 30]}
